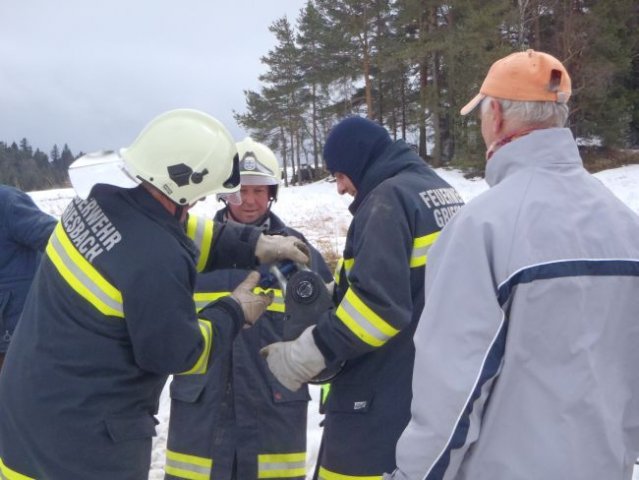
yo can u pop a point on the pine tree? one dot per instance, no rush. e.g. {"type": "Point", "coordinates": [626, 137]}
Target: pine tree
{"type": "Point", "coordinates": [311, 39]}
{"type": "Point", "coordinates": [286, 87]}
{"type": "Point", "coordinates": [352, 24]}
{"type": "Point", "coordinates": [412, 64]}
{"type": "Point", "coordinates": [55, 154]}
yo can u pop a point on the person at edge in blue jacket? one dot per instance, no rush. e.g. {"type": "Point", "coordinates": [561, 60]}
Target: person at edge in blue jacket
{"type": "Point", "coordinates": [24, 231]}
{"type": "Point", "coordinates": [400, 205]}
{"type": "Point", "coordinates": [237, 421]}
{"type": "Point", "coordinates": [111, 315]}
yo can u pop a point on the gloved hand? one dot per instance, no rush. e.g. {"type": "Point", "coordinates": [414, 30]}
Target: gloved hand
{"type": "Point", "coordinates": [296, 362]}
{"type": "Point", "coordinates": [253, 305]}
{"type": "Point", "coordinates": [273, 248]}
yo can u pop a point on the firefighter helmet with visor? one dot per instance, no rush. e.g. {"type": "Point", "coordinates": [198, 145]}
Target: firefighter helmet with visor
{"type": "Point", "coordinates": [258, 165]}
{"type": "Point", "coordinates": [184, 153]}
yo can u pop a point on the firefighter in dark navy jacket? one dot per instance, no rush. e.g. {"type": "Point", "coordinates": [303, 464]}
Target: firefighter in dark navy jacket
{"type": "Point", "coordinates": [111, 312]}
{"type": "Point", "coordinates": [399, 207]}
{"type": "Point", "coordinates": [237, 421]}
{"type": "Point", "coordinates": [24, 231]}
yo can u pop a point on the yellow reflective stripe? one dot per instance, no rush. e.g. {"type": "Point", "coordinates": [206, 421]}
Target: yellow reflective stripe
{"type": "Point", "coordinates": [325, 474]}
{"type": "Point", "coordinates": [202, 363]}
{"type": "Point", "coordinates": [200, 230]}
{"type": "Point", "coordinates": [186, 466]}
{"type": "Point", "coordinates": [364, 322]}
{"type": "Point", "coordinates": [202, 299]}
{"type": "Point", "coordinates": [283, 465]}
{"type": "Point", "coordinates": [277, 305]}
{"type": "Point", "coordinates": [325, 389]}
{"type": "Point", "coordinates": [338, 269]}
{"type": "Point", "coordinates": [421, 245]}
{"type": "Point", "coordinates": [82, 276]}
{"type": "Point", "coordinates": [8, 474]}
{"type": "Point", "coordinates": [348, 265]}
{"type": "Point", "coordinates": [342, 270]}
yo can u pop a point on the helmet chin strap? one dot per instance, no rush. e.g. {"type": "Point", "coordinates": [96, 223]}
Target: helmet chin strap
{"type": "Point", "coordinates": [179, 212]}
{"type": "Point", "coordinates": [175, 209]}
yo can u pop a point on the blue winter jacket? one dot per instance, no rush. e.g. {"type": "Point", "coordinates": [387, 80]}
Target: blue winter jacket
{"type": "Point", "coordinates": [24, 231]}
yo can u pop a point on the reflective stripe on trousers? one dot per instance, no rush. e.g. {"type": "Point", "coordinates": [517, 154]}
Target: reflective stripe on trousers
{"type": "Point", "coordinates": [281, 465]}
{"type": "Point", "coordinates": [189, 467]}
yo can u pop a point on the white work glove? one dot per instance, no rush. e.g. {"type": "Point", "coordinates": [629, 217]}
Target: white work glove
{"type": "Point", "coordinates": [273, 248]}
{"type": "Point", "coordinates": [296, 362]}
{"type": "Point", "coordinates": [253, 305]}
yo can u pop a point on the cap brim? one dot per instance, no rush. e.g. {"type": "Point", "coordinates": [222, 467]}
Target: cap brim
{"type": "Point", "coordinates": [100, 167]}
{"type": "Point", "coordinates": [470, 106]}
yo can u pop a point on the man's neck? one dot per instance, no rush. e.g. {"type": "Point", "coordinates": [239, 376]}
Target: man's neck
{"type": "Point", "coordinates": [497, 144]}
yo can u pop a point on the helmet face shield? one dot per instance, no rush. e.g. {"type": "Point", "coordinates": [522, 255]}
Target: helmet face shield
{"type": "Point", "coordinates": [234, 198]}
{"type": "Point", "coordinates": [105, 167]}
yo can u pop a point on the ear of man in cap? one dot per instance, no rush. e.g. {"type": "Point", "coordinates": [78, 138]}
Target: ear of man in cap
{"type": "Point", "coordinates": [352, 145]}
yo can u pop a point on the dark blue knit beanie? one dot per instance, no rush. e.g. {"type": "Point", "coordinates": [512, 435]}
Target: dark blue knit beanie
{"type": "Point", "coordinates": [353, 144]}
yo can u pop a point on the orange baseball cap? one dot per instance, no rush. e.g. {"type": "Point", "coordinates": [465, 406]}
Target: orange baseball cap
{"type": "Point", "coordinates": [526, 76]}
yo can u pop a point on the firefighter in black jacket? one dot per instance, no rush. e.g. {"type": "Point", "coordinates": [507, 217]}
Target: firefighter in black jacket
{"type": "Point", "coordinates": [111, 312]}
{"type": "Point", "coordinates": [399, 207]}
{"type": "Point", "coordinates": [238, 421]}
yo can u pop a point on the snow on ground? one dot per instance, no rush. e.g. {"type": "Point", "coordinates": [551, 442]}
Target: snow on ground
{"type": "Point", "coordinates": [322, 215]}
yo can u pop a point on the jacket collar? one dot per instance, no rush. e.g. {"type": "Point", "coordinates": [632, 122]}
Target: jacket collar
{"type": "Point", "coordinates": [538, 149]}
{"type": "Point", "coordinates": [142, 200]}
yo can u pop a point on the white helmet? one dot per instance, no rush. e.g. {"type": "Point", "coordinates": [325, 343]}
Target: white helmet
{"type": "Point", "coordinates": [186, 154]}
{"type": "Point", "coordinates": [258, 165]}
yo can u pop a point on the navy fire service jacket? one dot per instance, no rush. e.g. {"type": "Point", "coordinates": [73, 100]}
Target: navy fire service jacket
{"type": "Point", "coordinates": [110, 316]}
{"type": "Point", "coordinates": [24, 231]}
{"type": "Point", "coordinates": [237, 421]}
{"type": "Point", "coordinates": [400, 207]}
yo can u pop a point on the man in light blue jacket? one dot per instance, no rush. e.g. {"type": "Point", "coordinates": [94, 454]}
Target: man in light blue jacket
{"type": "Point", "coordinates": [526, 351]}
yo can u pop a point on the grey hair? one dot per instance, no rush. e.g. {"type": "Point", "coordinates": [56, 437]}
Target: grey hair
{"type": "Point", "coordinates": [545, 114]}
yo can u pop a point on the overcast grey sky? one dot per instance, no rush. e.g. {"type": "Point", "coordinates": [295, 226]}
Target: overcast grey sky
{"type": "Point", "coordinates": [93, 73]}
